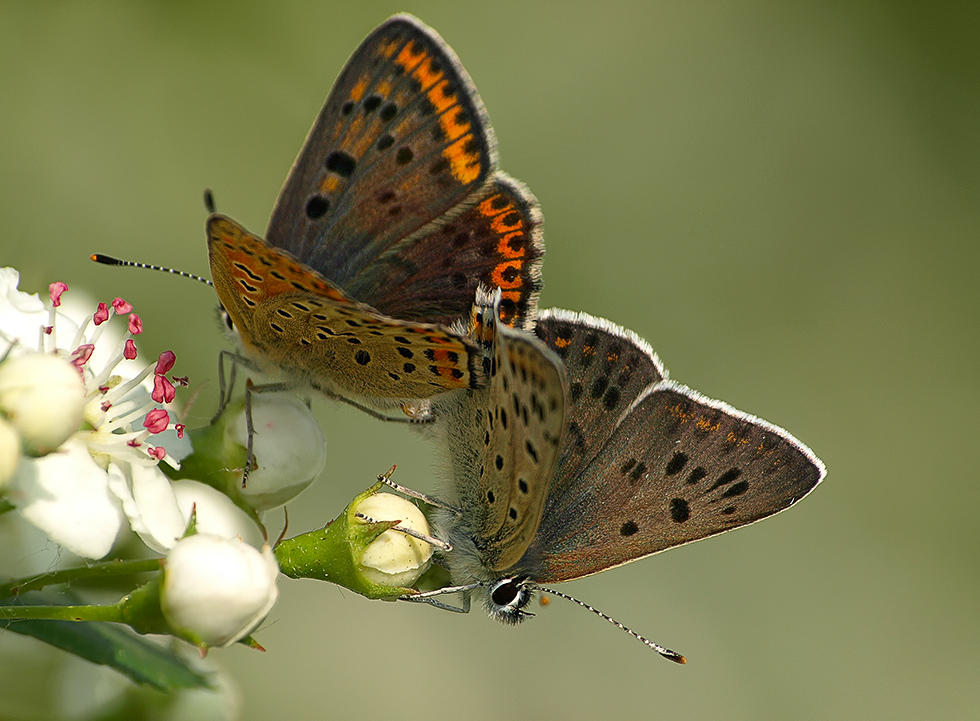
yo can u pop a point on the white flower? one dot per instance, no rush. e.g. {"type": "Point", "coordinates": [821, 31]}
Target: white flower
{"type": "Point", "coordinates": [159, 510]}
{"type": "Point", "coordinates": [215, 590]}
{"type": "Point", "coordinates": [63, 492]}
{"type": "Point", "coordinates": [288, 445]}
{"type": "Point", "coordinates": [395, 558]}
{"type": "Point", "coordinates": [24, 318]}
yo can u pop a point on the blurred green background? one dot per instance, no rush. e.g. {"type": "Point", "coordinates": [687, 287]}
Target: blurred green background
{"type": "Point", "coordinates": [784, 199]}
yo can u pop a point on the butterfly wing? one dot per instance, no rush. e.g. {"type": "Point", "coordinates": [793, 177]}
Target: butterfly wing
{"type": "Point", "coordinates": [433, 276]}
{"type": "Point", "coordinates": [402, 139]}
{"type": "Point", "coordinates": [293, 320]}
{"type": "Point", "coordinates": [607, 367]}
{"type": "Point", "coordinates": [502, 443]}
{"type": "Point", "coordinates": [671, 468]}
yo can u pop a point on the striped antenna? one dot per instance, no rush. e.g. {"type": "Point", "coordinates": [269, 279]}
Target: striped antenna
{"type": "Point", "coordinates": [665, 652]}
{"type": "Point", "coordinates": [109, 260]}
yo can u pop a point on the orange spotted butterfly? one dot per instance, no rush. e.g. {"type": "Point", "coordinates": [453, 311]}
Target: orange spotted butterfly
{"type": "Point", "coordinates": [391, 217]}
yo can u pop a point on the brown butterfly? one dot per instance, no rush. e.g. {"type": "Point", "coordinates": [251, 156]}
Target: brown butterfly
{"type": "Point", "coordinates": [390, 218]}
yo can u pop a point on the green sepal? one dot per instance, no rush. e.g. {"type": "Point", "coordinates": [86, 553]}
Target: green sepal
{"type": "Point", "coordinates": [249, 642]}
{"type": "Point", "coordinates": [141, 609]}
{"type": "Point", "coordinates": [329, 553]}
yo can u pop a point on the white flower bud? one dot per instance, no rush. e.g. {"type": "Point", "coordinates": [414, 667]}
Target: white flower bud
{"type": "Point", "coordinates": [394, 558]}
{"type": "Point", "coordinates": [289, 447]}
{"type": "Point", "coordinates": [216, 590]}
{"type": "Point", "coordinates": [216, 513]}
{"type": "Point", "coordinates": [43, 397]}
{"type": "Point", "coordinates": [9, 452]}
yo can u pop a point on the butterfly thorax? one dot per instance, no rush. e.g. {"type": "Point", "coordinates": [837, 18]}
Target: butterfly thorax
{"type": "Point", "coordinates": [503, 597]}
{"type": "Point", "coordinates": [502, 444]}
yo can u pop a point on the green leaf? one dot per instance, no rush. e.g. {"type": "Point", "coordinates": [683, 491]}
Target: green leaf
{"type": "Point", "coordinates": [142, 660]}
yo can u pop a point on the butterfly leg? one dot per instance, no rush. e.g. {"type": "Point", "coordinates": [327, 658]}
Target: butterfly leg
{"type": "Point", "coordinates": [410, 416]}
{"type": "Point", "coordinates": [224, 387]}
{"type": "Point", "coordinates": [386, 479]}
{"type": "Point", "coordinates": [251, 388]}
{"type": "Point", "coordinates": [431, 540]}
{"type": "Point", "coordinates": [429, 598]}
{"type": "Point", "coordinates": [413, 414]}
{"type": "Point", "coordinates": [226, 382]}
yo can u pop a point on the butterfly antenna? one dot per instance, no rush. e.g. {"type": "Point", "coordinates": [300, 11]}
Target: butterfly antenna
{"type": "Point", "coordinates": [109, 260]}
{"type": "Point", "coordinates": [209, 201]}
{"type": "Point", "coordinates": [665, 652]}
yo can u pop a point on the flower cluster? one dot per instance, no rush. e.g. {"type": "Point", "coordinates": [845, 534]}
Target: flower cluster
{"type": "Point", "coordinates": [79, 420]}
{"type": "Point", "coordinates": [85, 431]}
{"type": "Point", "coordinates": [92, 448]}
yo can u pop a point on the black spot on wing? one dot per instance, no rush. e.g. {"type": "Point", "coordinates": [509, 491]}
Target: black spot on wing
{"type": "Point", "coordinates": [679, 510]}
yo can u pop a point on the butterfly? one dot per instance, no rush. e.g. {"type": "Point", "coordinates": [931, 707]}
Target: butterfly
{"type": "Point", "coordinates": [579, 456]}
{"type": "Point", "coordinates": [392, 215]}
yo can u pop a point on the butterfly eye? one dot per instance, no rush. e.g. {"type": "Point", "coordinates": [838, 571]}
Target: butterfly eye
{"type": "Point", "coordinates": [225, 319]}
{"type": "Point", "coordinates": [507, 600]}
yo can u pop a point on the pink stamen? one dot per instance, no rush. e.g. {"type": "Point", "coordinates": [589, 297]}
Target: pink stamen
{"type": "Point", "coordinates": [133, 443]}
{"type": "Point", "coordinates": [156, 421]}
{"type": "Point", "coordinates": [135, 324]}
{"type": "Point", "coordinates": [48, 329]}
{"type": "Point", "coordinates": [181, 380]}
{"type": "Point", "coordinates": [106, 405]}
{"type": "Point", "coordinates": [81, 355]}
{"type": "Point", "coordinates": [129, 352]}
{"type": "Point", "coordinates": [159, 452]}
{"type": "Point", "coordinates": [54, 292]}
{"type": "Point", "coordinates": [163, 390]}
{"type": "Point", "coordinates": [121, 307]}
{"type": "Point", "coordinates": [180, 429]}
{"type": "Point", "coordinates": [165, 362]}
{"type": "Point", "coordinates": [103, 389]}
{"type": "Point", "coordinates": [101, 315]}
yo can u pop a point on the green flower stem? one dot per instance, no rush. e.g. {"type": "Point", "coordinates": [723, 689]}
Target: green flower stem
{"type": "Point", "coordinates": [140, 610]}
{"type": "Point", "coordinates": [64, 613]}
{"type": "Point", "coordinates": [95, 570]}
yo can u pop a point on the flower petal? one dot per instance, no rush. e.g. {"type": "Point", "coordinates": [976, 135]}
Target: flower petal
{"type": "Point", "coordinates": [393, 558]}
{"type": "Point", "coordinates": [66, 495]}
{"type": "Point", "coordinates": [149, 503]}
{"type": "Point", "coordinates": [22, 315]}
{"type": "Point", "coordinates": [216, 513]}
